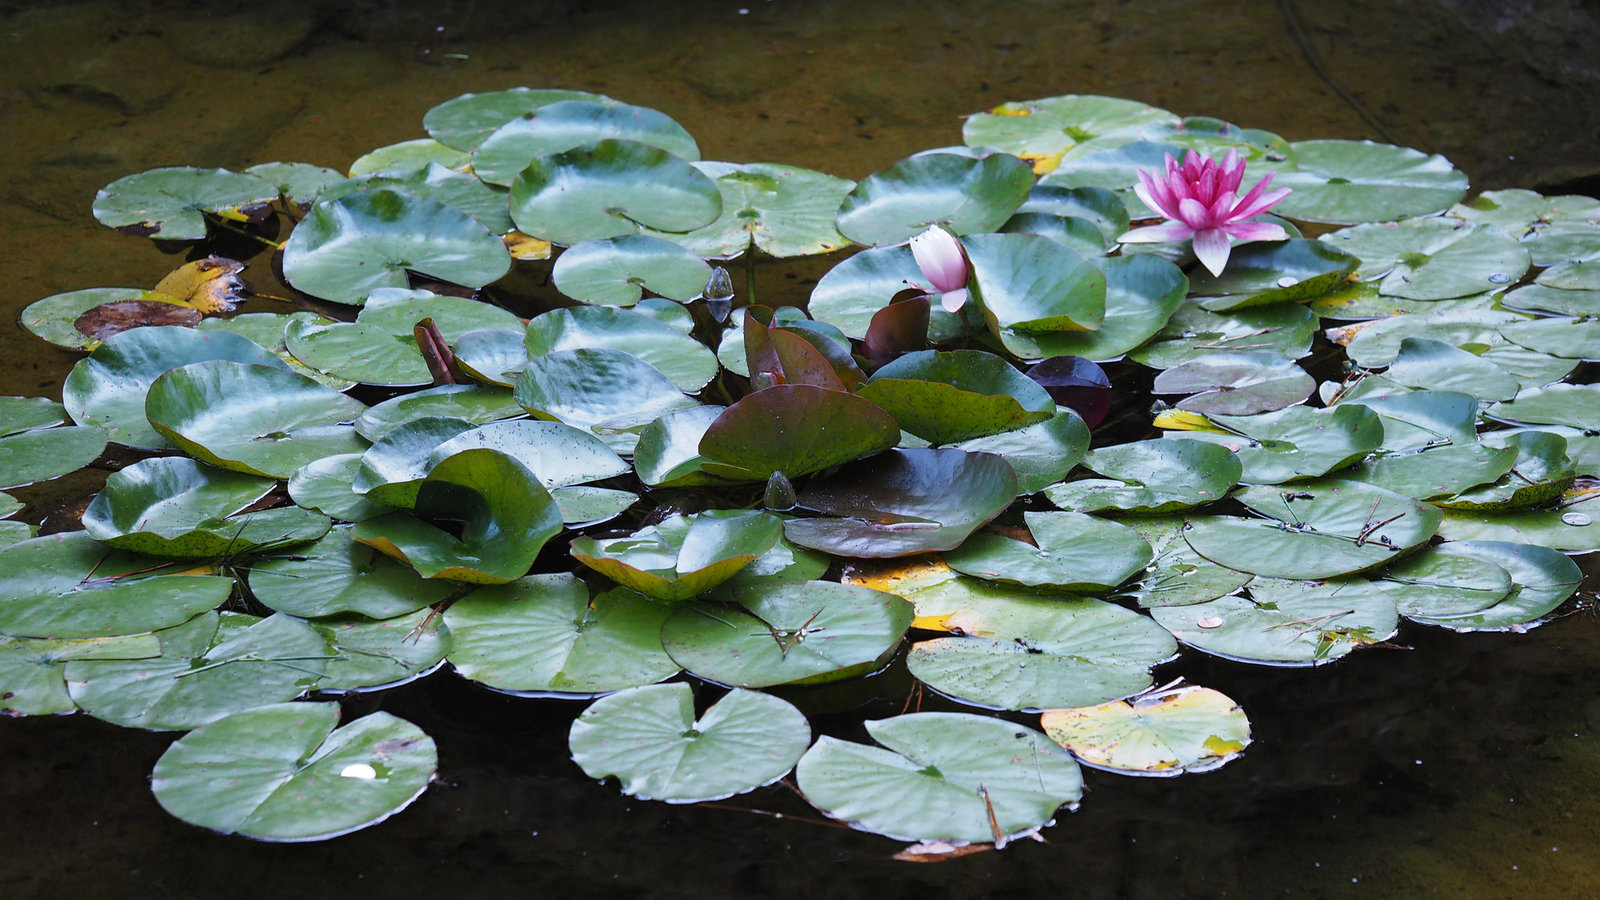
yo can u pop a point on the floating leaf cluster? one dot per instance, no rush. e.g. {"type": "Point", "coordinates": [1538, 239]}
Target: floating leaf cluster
{"type": "Point", "coordinates": [516, 420]}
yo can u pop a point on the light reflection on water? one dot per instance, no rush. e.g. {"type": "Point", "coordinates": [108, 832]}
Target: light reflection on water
{"type": "Point", "coordinates": [1464, 766]}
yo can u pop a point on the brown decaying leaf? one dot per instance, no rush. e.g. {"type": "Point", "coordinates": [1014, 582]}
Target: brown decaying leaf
{"type": "Point", "coordinates": [108, 319]}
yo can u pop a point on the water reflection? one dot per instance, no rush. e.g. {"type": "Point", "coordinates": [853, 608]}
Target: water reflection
{"type": "Point", "coordinates": [1463, 766]}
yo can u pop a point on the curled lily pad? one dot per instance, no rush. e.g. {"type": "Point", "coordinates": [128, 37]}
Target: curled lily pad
{"type": "Point", "coordinates": [337, 576]}
{"type": "Point", "coordinates": [1329, 528]}
{"type": "Point", "coordinates": [684, 360]}
{"type": "Point", "coordinates": [345, 249]}
{"type": "Point", "coordinates": [610, 188]}
{"type": "Point", "coordinates": [904, 502]}
{"type": "Point", "coordinates": [1037, 653]}
{"type": "Point", "coordinates": [1347, 182]}
{"type": "Point", "coordinates": [565, 124]}
{"type": "Point", "coordinates": [108, 387]}
{"type": "Point", "coordinates": [505, 518]}
{"type": "Point", "coordinates": [172, 203]}
{"type": "Point", "coordinates": [1032, 285]}
{"type": "Point", "coordinates": [668, 453]}
{"type": "Point", "coordinates": [1150, 477]}
{"type": "Point", "coordinates": [683, 556]}
{"type": "Point", "coordinates": [855, 290]}
{"type": "Point", "coordinates": [969, 194]}
{"type": "Point", "coordinates": [492, 355]}
{"type": "Point", "coordinates": [794, 633]}
{"type": "Point", "coordinates": [173, 506]}
{"type": "Point", "coordinates": [1071, 551]}
{"type": "Point", "coordinates": [945, 398]}
{"type": "Point", "coordinates": [1142, 293]}
{"type": "Point", "coordinates": [468, 402]}
{"type": "Point", "coordinates": [264, 420]}
{"type": "Point", "coordinates": [941, 776]}
{"type": "Point", "coordinates": [783, 211]}
{"type": "Point", "coordinates": [392, 470]}
{"type": "Point", "coordinates": [542, 635]}
{"type": "Point", "coordinates": [211, 666]}
{"type": "Point", "coordinates": [815, 428]}
{"type": "Point", "coordinates": [615, 271]}
{"type": "Point", "coordinates": [284, 773]}
{"type": "Point", "coordinates": [1167, 732]}
{"type": "Point", "coordinates": [650, 739]}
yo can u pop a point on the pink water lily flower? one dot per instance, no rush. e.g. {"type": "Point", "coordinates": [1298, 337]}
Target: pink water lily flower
{"type": "Point", "coordinates": [1201, 200]}
{"type": "Point", "coordinates": [943, 262]}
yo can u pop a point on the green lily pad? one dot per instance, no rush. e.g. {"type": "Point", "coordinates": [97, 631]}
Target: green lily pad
{"type": "Point", "coordinates": [298, 183]}
{"type": "Point", "coordinates": [1032, 285]}
{"type": "Point", "coordinates": [505, 517]}
{"type": "Point", "coordinates": [1071, 552]}
{"type": "Point", "coordinates": [283, 773]}
{"type": "Point", "coordinates": [108, 387]}
{"type": "Point", "coordinates": [1572, 338]}
{"type": "Point", "coordinates": [1378, 343]}
{"type": "Point", "coordinates": [337, 576]}
{"type": "Point", "coordinates": [1436, 365]}
{"type": "Point", "coordinates": [1433, 259]}
{"type": "Point", "coordinates": [46, 453]}
{"type": "Point", "coordinates": [558, 455]}
{"type": "Point", "coordinates": [943, 776]}
{"type": "Point", "coordinates": [1047, 128]}
{"type": "Point", "coordinates": [377, 654]}
{"type": "Point", "coordinates": [798, 633]}
{"type": "Point", "coordinates": [1544, 579]}
{"type": "Point", "coordinates": [268, 330]}
{"type": "Point", "coordinates": [1193, 331]}
{"type": "Point", "coordinates": [211, 666]}
{"type": "Point", "coordinates": [1326, 529]}
{"type": "Point", "coordinates": [1142, 293]}
{"type": "Point", "coordinates": [483, 203]}
{"type": "Point", "coordinates": [585, 505]}
{"type": "Point", "coordinates": [1412, 421]}
{"type": "Point", "coordinates": [172, 203]}
{"type": "Point", "coordinates": [1178, 576]}
{"type": "Point", "coordinates": [1297, 442]}
{"type": "Point", "coordinates": [683, 556]}
{"type": "Point", "coordinates": [492, 355]}
{"type": "Point", "coordinates": [1435, 473]}
{"type": "Point", "coordinates": [1097, 207]}
{"type": "Point", "coordinates": [408, 156]}
{"type": "Point", "coordinates": [392, 470]}
{"type": "Point", "coordinates": [609, 188]}
{"type": "Point", "coordinates": [1555, 404]}
{"type": "Point", "coordinates": [542, 636]}
{"type": "Point", "coordinates": [1032, 653]}
{"type": "Point", "coordinates": [601, 387]}
{"type": "Point", "coordinates": [1572, 527]}
{"type": "Point", "coordinates": [345, 249]}
{"type": "Point", "coordinates": [466, 121]}
{"type": "Point", "coordinates": [252, 418]}
{"type": "Point", "coordinates": [32, 668]}
{"type": "Point", "coordinates": [53, 318]}
{"type": "Point", "coordinates": [648, 737]}
{"type": "Point", "coordinates": [1437, 583]}
{"type": "Point", "coordinates": [1042, 454]}
{"type": "Point", "coordinates": [474, 403]}
{"type": "Point", "coordinates": [68, 585]}
{"type": "Point", "coordinates": [564, 124]}
{"type": "Point", "coordinates": [1239, 383]}
{"type": "Point", "coordinates": [784, 211]}
{"type": "Point", "coordinates": [853, 291]}
{"type": "Point", "coordinates": [903, 502]}
{"type": "Point", "coordinates": [1112, 163]}
{"type": "Point", "coordinates": [1346, 182]}
{"type": "Point", "coordinates": [668, 453]}
{"type": "Point", "coordinates": [616, 271]}
{"type": "Point", "coordinates": [1284, 623]}
{"type": "Point", "coordinates": [685, 361]}
{"type": "Point", "coordinates": [1267, 272]}
{"type": "Point", "coordinates": [1150, 477]}
{"type": "Point", "coordinates": [964, 193]}
{"type": "Point", "coordinates": [945, 398]}
{"type": "Point", "coordinates": [816, 429]}
{"type": "Point", "coordinates": [1168, 732]}
{"type": "Point", "coordinates": [1543, 298]}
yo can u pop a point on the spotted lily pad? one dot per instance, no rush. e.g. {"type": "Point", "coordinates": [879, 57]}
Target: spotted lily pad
{"type": "Point", "coordinates": [1167, 732]}
{"type": "Point", "coordinates": [284, 773]}
{"type": "Point", "coordinates": [1284, 623]}
{"type": "Point", "coordinates": [649, 738]}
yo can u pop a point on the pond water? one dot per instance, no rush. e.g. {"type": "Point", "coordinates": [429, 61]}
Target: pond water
{"type": "Point", "coordinates": [1453, 765]}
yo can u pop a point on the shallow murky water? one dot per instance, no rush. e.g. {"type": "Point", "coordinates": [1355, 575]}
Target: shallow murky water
{"type": "Point", "coordinates": [1463, 766]}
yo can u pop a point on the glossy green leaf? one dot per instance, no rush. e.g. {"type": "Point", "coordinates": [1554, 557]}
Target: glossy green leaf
{"type": "Point", "coordinates": [174, 506]}
{"type": "Point", "coordinates": [1193, 331]}
{"type": "Point", "coordinates": [1179, 576]}
{"type": "Point", "coordinates": [337, 576]}
{"type": "Point", "coordinates": [1267, 272]}
{"type": "Point", "coordinates": [1032, 285]}
{"type": "Point", "coordinates": [542, 636]}
{"type": "Point", "coordinates": [682, 556]}
{"type": "Point", "coordinates": [53, 318]}
{"type": "Point", "coordinates": [616, 271]}
{"type": "Point", "coordinates": [465, 121]}
{"type": "Point", "coordinates": [945, 398]}
{"type": "Point", "coordinates": [298, 183]}
{"type": "Point", "coordinates": [345, 249]}
{"type": "Point", "coordinates": [668, 454]}
{"type": "Point", "coordinates": [1238, 383]}
{"type": "Point", "coordinates": [601, 387]}
{"type": "Point", "coordinates": [483, 203]}
{"type": "Point", "coordinates": [1433, 259]}
{"type": "Point", "coordinates": [783, 211]}
{"type": "Point", "coordinates": [1358, 181]}
{"type": "Point", "coordinates": [1041, 454]}
{"type": "Point", "coordinates": [1557, 404]}
{"type": "Point", "coordinates": [648, 737]}
{"type": "Point", "coordinates": [406, 157]}
{"type": "Point", "coordinates": [798, 633]}
{"type": "Point", "coordinates": [1571, 527]}
{"type": "Point", "coordinates": [684, 360]}
{"type": "Point", "coordinates": [1544, 579]}
{"type": "Point", "coordinates": [564, 124]}
{"type": "Point", "coordinates": [1150, 477]}
{"type": "Point", "coordinates": [1297, 442]}
{"type": "Point", "coordinates": [1435, 473]}
{"type": "Point", "coordinates": [172, 203]}
{"type": "Point", "coordinates": [377, 654]}
{"type": "Point", "coordinates": [1142, 293]}
{"type": "Point", "coordinates": [46, 453]}
{"type": "Point", "coordinates": [1284, 623]}
{"type": "Point", "coordinates": [797, 429]}
{"type": "Point", "coordinates": [1436, 365]}
{"type": "Point", "coordinates": [474, 403]}
{"type": "Point", "coordinates": [32, 668]}
{"type": "Point", "coordinates": [1070, 551]}
{"type": "Point", "coordinates": [966, 194]}
{"type": "Point", "coordinates": [609, 188]}
{"type": "Point", "coordinates": [283, 773]}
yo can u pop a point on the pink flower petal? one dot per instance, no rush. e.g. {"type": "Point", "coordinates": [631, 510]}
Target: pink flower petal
{"type": "Point", "coordinates": [952, 301]}
{"type": "Point", "coordinates": [1194, 214]}
{"type": "Point", "coordinates": [1211, 247]}
{"type": "Point", "coordinates": [1255, 203]}
{"type": "Point", "coordinates": [1256, 231]}
{"type": "Point", "coordinates": [1156, 195]}
{"type": "Point", "coordinates": [1157, 234]}
{"type": "Point", "coordinates": [940, 257]}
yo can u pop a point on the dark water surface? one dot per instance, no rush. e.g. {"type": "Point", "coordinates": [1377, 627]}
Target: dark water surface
{"type": "Point", "coordinates": [1462, 766]}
